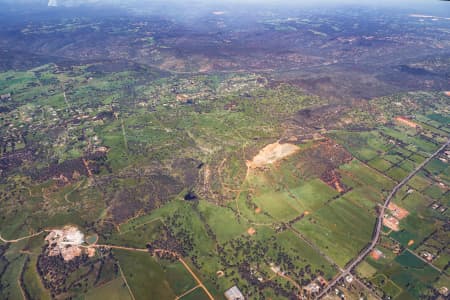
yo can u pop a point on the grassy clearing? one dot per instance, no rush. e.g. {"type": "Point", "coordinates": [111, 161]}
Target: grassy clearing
{"type": "Point", "coordinates": [363, 145]}
{"type": "Point", "coordinates": [380, 164]}
{"type": "Point", "coordinates": [247, 209]}
{"type": "Point", "coordinates": [180, 280]}
{"type": "Point", "coordinates": [31, 280]}
{"type": "Point", "coordinates": [390, 288]}
{"type": "Point", "coordinates": [442, 260]}
{"type": "Point", "coordinates": [113, 290]}
{"type": "Point", "coordinates": [295, 246]}
{"type": "Point", "coordinates": [365, 198]}
{"type": "Point", "coordinates": [166, 210]}
{"type": "Point", "coordinates": [144, 275]}
{"type": "Point", "coordinates": [415, 228]}
{"type": "Point", "coordinates": [364, 269]}
{"type": "Point", "coordinates": [278, 194]}
{"type": "Point", "coordinates": [414, 143]}
{"type": "Point", "coordinates": [419, 182]}
{"type": "Point", "coordinates": [140, 236]}
{"type": "Point", "coordinates": [412, 274]}
{"type": "Point", "coordinates": [408, 165]}
{"type": "Point", "coordinates": [197, 294]}
{"type": "Point", "coordinates": [313, 194]}
{"type": "Point", "coordinates": [223, 221]}
{"type": "Point", "coordinates": [10, 278]}
{"type": "Point", "coordinates": [341, 229]}
{"type": "Point", "coordinates": [435, 192]}
{"type": "Point", "coordinates": [367, 176]}
{"type": "Point", "coordinates": [277, 205]}
{"type": "Point", "coordinates": [397, 173]}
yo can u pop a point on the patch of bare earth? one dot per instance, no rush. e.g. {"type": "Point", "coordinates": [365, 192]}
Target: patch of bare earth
{"type": "Point", "coordinates": [406, 121]}
{"type": "Point", "coordinates": [271, 154]}
{"type": "Point", "coordinates": [67, 242]}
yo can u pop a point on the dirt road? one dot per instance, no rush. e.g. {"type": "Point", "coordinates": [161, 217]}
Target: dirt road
{"type": "Point", "coordinates": [163, 251]}
{"type": "Point", "coordinates": [20, 239]}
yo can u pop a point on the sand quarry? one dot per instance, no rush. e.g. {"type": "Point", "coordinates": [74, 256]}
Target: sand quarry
{"type": "Point", "coordinates": [271, 154]}
{"type": "Point", "coordinates": [67, 242]}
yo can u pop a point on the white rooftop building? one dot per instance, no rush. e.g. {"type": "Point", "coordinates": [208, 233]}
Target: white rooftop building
{"type": "Point", "coordinates": [234, 294]}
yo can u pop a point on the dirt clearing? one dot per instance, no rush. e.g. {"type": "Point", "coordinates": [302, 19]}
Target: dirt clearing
{"type": "Point", "coordinates": [397, 211]}
{"type": "Point", "coordinates": [407, 122]}
{"type": "Point", "coordinates": [67, 242]}
{"type": "Point", "coordinates": [271, 154]}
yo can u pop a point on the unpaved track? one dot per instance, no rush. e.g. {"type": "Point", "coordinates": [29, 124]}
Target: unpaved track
{"type": "Point", "coordinates": [20, 239]}
{"type": "Point", "coordinates": [315, 247]}
{"type": "Point", "coordinates": [126, 282]}
{"type": "Point", "coordinates": [180, 259]}
{"type": "Point", "coordinates": [187, 292]}
{"type": "Point", "coordinates": [424, 260]}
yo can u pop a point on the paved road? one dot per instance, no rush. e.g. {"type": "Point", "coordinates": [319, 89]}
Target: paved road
{"type": "Point", "coordinates": [379, 224]}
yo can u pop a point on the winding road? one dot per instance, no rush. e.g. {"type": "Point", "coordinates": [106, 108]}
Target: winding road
{"type": "Point", "coordinates": [20, 239]}
{"type": "Point", "coordinates": [379, 224]}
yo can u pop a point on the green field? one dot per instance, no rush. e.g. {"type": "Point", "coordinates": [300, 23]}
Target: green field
{"type": "Point", "coordinates": [113, 290]}
{"type": "Point", "coordinates": [32, 282]}
{"type": "Point", "coordinates": [173, 173]}
{"type": "Point", "coordinates": [341, 229]}
{"type": "Point", "coordinates": [197, 294]}
{"type": "Point", "coordinates": [144, 274]}
{"type": "Point", "coordinates": [367, 176]}
{"type": "Point", "coordinates": [223, 221]}
{"type": "Point", "coordinates": [412, 274]}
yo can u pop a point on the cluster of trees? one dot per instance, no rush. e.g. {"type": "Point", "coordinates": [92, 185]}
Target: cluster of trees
{"type": "Point", "coordinates": [3, 264]}
{"type": "Point", "coordinates": [80, 273]}
{"type": "Point", "coordinates": [182, 237]}
{"type": "Point", "coordinates": [247, 255]}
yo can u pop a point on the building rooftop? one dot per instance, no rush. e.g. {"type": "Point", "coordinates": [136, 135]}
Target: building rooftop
{"type": "Point", "coordinates": [234, 294]}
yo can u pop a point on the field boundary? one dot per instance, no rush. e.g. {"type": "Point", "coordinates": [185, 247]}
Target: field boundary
{"type": "Point", "coordinates": [125, 280]}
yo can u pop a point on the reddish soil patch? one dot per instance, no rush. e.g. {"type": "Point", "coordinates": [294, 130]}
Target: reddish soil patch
{"type": "Point", "coordinates": [251, 231]}
{"type": "Point", "coordinates": [406, 121]}
{"type": "Point", "coordinates": [376, 254]}
{"type": "Point", "coordinates": [391, 223]}
{"type": "Point", "coordinates": [322, 160]}
{"type": "Point", "coordinates": [91, 251]}
{"type": "Point", "coordinates": [397, 211]}
{"type": "Point", "coordinates": [332, 178]}
{"type": "Point", "coordinates": [182, 98]}
{"type": "Point", "coordinates": [258, 210]}
{"type": "Point", "coordinates": [220, 274]}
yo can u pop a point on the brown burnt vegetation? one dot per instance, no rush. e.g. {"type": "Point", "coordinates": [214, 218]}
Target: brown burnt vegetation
{"type": "Point", "coordinates": [69, 171]}
{"type": "Point", "coordinates": [12, 160]}
{"type": "Point", "coordinates": [322, 161]}
{"type": "Point", "coordinates": [145, 189]}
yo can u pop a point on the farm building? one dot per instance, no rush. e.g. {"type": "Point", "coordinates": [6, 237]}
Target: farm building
{"type": "Point", "coordinates": [234, 294]}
